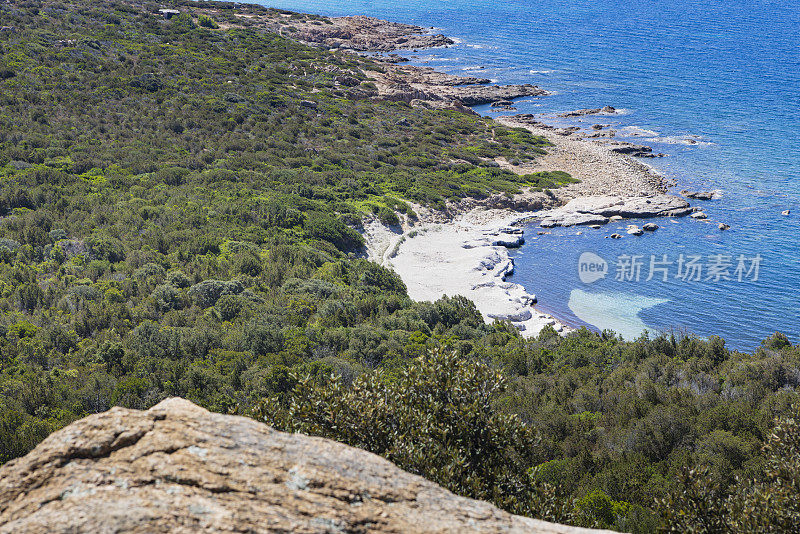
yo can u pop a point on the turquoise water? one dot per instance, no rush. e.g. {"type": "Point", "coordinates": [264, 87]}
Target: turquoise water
{"type": "Point", "coordinates": [726, 74]}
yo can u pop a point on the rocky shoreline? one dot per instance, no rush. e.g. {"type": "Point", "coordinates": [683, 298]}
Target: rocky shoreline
{"type": "Point", "coordinates": [409, 84]}
{"type": "Point", "coordinates": [464, 250]}
{"type": "Point", "coordinates": [418, 86]}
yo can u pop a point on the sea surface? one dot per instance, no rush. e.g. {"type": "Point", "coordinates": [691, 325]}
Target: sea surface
{"type": "Point", "coordinates": [714, 85]}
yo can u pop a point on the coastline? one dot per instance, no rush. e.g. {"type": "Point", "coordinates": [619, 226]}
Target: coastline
{"type": "Point", "coordinates": [467, 253]}
{"type": "Point", "coordinates": [464, 249]}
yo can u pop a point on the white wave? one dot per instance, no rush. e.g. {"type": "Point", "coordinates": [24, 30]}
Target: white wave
{"type": "Point", "coordinates": [474, 67]}
{"type": "Point", "coordinates": [545, 71]}
{"type": "Point", "coordinates": [616, 311]}
{"type": "Point", "coordinates": [635, 131]}
{"type": "Point", "coordinates": [689, 140]}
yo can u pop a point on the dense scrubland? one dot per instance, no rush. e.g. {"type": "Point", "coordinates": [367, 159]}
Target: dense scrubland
{"type": "Point", "coordinates": [179, 206]}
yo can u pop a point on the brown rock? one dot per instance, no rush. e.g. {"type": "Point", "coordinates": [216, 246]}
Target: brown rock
{"type": "Point", "coordinates": [365, 34]}
{"type": "Point", "coordinates": [178, 468]}
{"type": "Point", "coordinates": [605, 110]}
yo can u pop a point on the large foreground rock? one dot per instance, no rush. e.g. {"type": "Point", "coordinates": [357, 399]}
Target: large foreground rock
{"type": "Point", "coordinates": [177, 468]}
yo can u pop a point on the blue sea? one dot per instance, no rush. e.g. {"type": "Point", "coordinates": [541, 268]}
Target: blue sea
{"type": "Point", "coordinates": [715, 85]}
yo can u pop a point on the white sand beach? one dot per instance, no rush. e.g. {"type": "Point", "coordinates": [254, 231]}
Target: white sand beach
{"type": "Point", "coordinates": [467, 254]}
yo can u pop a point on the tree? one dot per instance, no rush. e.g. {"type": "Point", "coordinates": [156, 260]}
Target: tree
{"type": "Point", "coordinates": [435, 418]}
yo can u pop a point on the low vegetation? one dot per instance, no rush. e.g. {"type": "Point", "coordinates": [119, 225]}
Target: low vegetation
{"type": "Point", "coordinates": [658, 434]}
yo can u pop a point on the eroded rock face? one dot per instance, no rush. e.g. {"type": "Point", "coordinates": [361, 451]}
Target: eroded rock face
{"type": "Point", "coordinates": [178, 468]}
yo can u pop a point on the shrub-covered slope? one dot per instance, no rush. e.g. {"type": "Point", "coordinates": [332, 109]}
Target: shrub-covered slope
{"type": "Point", "coordinates": [177, 202]}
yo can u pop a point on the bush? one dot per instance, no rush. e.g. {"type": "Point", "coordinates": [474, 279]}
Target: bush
{"type": "Point", "coordinates": [326, 228]}
{"type": "Point", "coordinates": [207, 22]}
{"type": "Point", "coordinates": [206, 293]}
{"type": "Point", "coordinates": [443, 424]}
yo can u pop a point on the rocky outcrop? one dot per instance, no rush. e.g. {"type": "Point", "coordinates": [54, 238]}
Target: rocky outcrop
{"type": "Point", "coordinates": [366, 34]}
{"type": "Point", "coordinates": [393, 81]}
{"type": "Point", "coordinates": [698, 195]}
{"type": "Point", "coordinates": [593, 210]}
{"type": "Point", "coordinates": [178, 468]}
{"type": "Point", "coordinates": [631, 149]}
{"type": "Point", "coordinates": [605, 110]}
{"type": "Point", "coordinates": [406, 83]}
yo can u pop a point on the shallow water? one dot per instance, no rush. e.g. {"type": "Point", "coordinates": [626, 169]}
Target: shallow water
{"type": "Point", "coordinates": [723, 74]}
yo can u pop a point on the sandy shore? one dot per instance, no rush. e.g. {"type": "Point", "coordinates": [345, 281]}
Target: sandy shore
{"type": "Point", "coordinates": [468, 255]}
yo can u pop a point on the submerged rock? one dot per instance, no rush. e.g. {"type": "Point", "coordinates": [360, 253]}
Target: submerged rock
{"type": "Point", "coordinates": [583, 112]}
{"type": "Point", "coordinates": [630, 149]}
{"type": "Point", "coordinates": [698, 195]}
{"type": "Point", "coordinates": [635, 230]}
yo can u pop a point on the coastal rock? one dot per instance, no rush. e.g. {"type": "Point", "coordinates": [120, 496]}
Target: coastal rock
{"type": "Point", "coordinates": [509, 241]}
{"type": "Point", "coordinates": [607, 110]}
{"type": "Point", "coordinates": [522, 315]}
{"type": "Point", "coordinates": [603, 134]}
{"type": "Point", "coordinates": [484, 94]}
{"type": "Point", "coordinates": [698, 195]}
{"type": "Point", "coordinates": [615, 236]}
{"type": "Point", "coordinates": [362, 34]}
{"type": "Point", "coordinates": [631, 149]}
{"type": "Point", "coordinates": [602, 209]}
{"type": "Point", "coordinates": [177, 468]}
{"type": "Point", "coordinates": [501, 103]}
{"type": "Point", "coordinates": [699, 215]}
{"type": "Point", "coordinates": [650, 227]}
{"type": "Point", "coordinates": [530, 120]}
{"type": "Point", "coordinates": [723, 226]}
{"type": "Point", "coordinates": [573, 219]}
{"type": "Point", "coordinates": [567, 131]}
{"type": "Point", "coordinates": [406, 83]}
{"type": "Point", "coordinates": [635, 230]}
{"type": "Point", "coordinates": [392, 58]}
{"type": "Point", "coordinates": [786, 213]}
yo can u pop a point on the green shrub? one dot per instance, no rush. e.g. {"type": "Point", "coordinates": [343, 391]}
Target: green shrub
{"type": "Point", "coordinates": [327, 228]}
{"type": "Point", "coordinates": [207, 22]}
